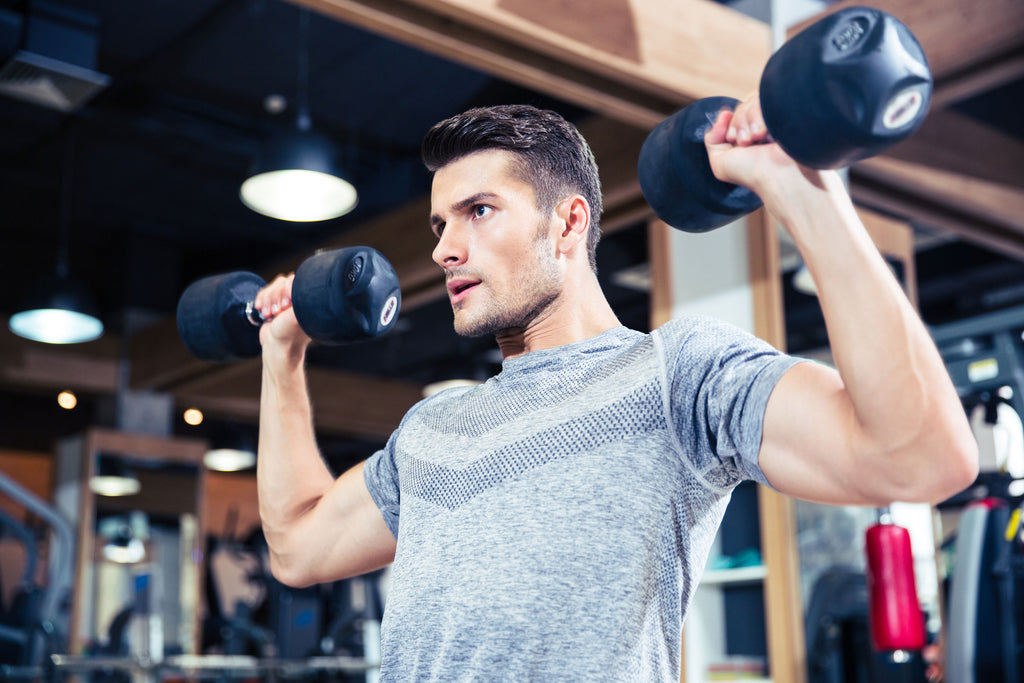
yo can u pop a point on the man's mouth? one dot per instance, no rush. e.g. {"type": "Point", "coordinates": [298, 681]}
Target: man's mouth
{"type": "Point", "coordinates": [458, 288]}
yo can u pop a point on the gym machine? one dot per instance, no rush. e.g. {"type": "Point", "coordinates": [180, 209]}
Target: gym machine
{"type": "Point", "coordinates": [37, 623]}
{"type": "Point", "coordinates": [985, 622]}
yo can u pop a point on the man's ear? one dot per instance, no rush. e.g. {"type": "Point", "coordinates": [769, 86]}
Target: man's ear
{"type": "Point", "coordinates": [574, 222]}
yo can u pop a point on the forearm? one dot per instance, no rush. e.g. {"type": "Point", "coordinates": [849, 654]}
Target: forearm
{"type": "Point", "coordinates": [291, 476]}
{"type": "Point", "coordinates": [908, 417]}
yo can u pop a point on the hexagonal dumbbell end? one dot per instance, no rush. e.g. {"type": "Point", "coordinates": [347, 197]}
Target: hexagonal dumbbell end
{"type": "Point", "coordinates": [215, 317]}
{"type": "Point", "coordinates": [346, 295]}
{"type": "Point", "coordinates": [846, 88]}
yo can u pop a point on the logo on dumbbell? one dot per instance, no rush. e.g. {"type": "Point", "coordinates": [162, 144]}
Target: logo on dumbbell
{"type": "Point", "coordinates": [850, 34]}
{"type": "Point", "coordinates": [902, 108]}
{"type": "Point", "coordinates": [354, 269]}
{"type": "Point", "coordinates": [388, 312]}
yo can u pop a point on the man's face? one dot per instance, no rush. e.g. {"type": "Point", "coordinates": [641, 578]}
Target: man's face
{"type": "Point", "coordinates": [497, 251]}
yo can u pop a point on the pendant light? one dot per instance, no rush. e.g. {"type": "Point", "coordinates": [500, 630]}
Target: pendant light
{"type": "Point", "coordinates": [59, 309]}
{"type": "Point", "coordinates": [296, 175]}
{"type": "Point", "coordinates": [114, 478]}
{"type": "Point", "coordinates": [234, 450]}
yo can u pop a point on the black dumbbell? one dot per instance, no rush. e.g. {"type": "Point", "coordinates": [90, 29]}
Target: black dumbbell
{"type": "Point", "coordinates": [338, 296]}
{"type": "Point", "coordinates": [844, 89]}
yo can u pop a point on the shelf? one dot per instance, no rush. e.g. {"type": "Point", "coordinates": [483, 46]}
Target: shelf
{"type": "Point", "coordinates": [733, 577]}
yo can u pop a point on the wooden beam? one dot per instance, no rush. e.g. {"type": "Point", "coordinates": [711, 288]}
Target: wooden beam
{"type": "Point", "coordinates": [636, 61]}
{"type": "Point", "coordinates": [985, 212]}
{"type": "Point", "coordinates": [660, 263]}
{"type": "Point", "coordinates": [979, 78]}
{"type": "Point", "coordinates": [159, 359]}
{"type": "Point", "coordinates": [776, 513]}
{"type": "Point", "coordinates": [948, 141]}
{"type": "Point", "coordinates": [894, 239]}
{"type": "Point", "coordinates": [971, 46]}
{"type": "Point", "coordinates": [91, 367]}
{"type": "Point", "coordinates": [343, 402]}
{"type": "Point", "coordinates": [765, 281]}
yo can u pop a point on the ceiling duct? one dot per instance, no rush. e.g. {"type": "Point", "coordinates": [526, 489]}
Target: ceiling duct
{"type": "Point", "coordinates": [55, 67]}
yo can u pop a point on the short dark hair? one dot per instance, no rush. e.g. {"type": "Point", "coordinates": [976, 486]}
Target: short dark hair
{"type": "Point", "coordinates": [553, 156]}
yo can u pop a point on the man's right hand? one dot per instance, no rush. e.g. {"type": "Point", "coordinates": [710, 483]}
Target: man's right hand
{"type": "Point", "coordinates": [280, 332]}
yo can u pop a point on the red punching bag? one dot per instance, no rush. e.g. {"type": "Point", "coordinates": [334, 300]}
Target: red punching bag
{"type": "Point", "coordinates": [897, 622]}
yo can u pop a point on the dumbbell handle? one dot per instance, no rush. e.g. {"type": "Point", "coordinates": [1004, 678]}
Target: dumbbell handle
{"type": "Point", "coordinates": [253, 315]}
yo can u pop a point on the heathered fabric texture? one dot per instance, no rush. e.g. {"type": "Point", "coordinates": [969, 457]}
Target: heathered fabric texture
{"type": "Point", "coordinates": [553, 522]}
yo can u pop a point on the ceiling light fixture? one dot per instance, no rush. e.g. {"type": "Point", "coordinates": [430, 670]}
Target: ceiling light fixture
{"type": "Point", "coordinates": [229, 459]}
{"type": "Point", "coordinates": [234, 450]}
{"type": "Point", "coordinates": [67, 400]}
{"type": "Point", "coordinates": [113, 478]}
{"type": "Point", "coordinates": [296, 175]}
{"type": "Point", "coordinates": [59, 309]}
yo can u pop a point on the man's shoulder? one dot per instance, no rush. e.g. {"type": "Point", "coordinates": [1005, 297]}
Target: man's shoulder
{"type": "Point", "coordinates": [700, 326]}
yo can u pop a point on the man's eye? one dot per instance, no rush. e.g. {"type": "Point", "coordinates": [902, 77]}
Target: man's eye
{"type": "Point", "coordinates": [481, 210]}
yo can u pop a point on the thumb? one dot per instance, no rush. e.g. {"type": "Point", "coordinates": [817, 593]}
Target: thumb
{"type": "Point", "coordinates": [716, 133]}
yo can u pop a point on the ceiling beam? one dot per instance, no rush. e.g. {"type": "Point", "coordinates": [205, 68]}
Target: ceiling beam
{"type": "Point", "coordinates": [636, 61]}
{"type": "Point", "coordinates": [344, 403]}
{"type": "Point", "coordinates": [952, 142]}
{"type": "Point", "coordinates": [981, 211]}
{"type": "Point", "coordinates": [92, 367]}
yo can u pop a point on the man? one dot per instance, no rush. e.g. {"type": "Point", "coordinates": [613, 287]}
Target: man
{"type": "Point", "coordinates": [552, 523]}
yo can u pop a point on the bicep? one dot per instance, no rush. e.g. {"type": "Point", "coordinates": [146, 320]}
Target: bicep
{"type": "Point", "coordinates": [346, 532]}
{"type": "Point", "coordinates": [811, 443]}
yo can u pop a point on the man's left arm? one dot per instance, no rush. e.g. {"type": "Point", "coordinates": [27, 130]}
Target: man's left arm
{"type": "Point", "coordinates": [887, 424]}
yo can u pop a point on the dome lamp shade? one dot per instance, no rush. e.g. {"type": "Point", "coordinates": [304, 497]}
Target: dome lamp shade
{"type": "Point", "coordinates": [58, 310]}
{"type": "Point", "coordinates": [296, 177]}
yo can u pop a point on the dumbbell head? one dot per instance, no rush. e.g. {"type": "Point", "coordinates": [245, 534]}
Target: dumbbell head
{"type": "Point", "coordinates": [212, 318]}
{"type": "Point", "coordinates": [345, 295]}
{"type": "Point", "coordinates": [676, 177]}
{"type": "Point", "coordinates": [845, 88]}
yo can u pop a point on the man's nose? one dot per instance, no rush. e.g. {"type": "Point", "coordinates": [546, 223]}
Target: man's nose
{"type": "Point", "coordinates": [451, 248]}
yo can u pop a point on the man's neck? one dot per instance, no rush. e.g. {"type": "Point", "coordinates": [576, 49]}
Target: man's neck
{"type": "Point", "coordinates": [580, 313]}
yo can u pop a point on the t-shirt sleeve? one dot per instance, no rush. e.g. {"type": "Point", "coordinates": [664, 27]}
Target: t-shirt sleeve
{"type": "Point", "coordinates": [719, 381]}
{"type": "Point", "coordinates": [381, 476]}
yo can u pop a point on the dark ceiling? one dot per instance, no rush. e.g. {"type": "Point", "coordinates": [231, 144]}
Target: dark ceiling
{"type": "Point", "coordinates": [151, 167]}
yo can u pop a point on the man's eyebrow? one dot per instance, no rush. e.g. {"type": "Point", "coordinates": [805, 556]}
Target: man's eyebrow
{"type": "Point", "coordinates": [462, 205]}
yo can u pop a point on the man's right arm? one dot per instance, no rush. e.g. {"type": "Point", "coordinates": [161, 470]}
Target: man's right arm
{"type": "Point", "coordinates": [318, 528]}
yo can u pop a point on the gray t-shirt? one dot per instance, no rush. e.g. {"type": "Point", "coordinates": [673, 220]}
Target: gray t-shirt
{"type": "Point", "coordinates": [552, 523]}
